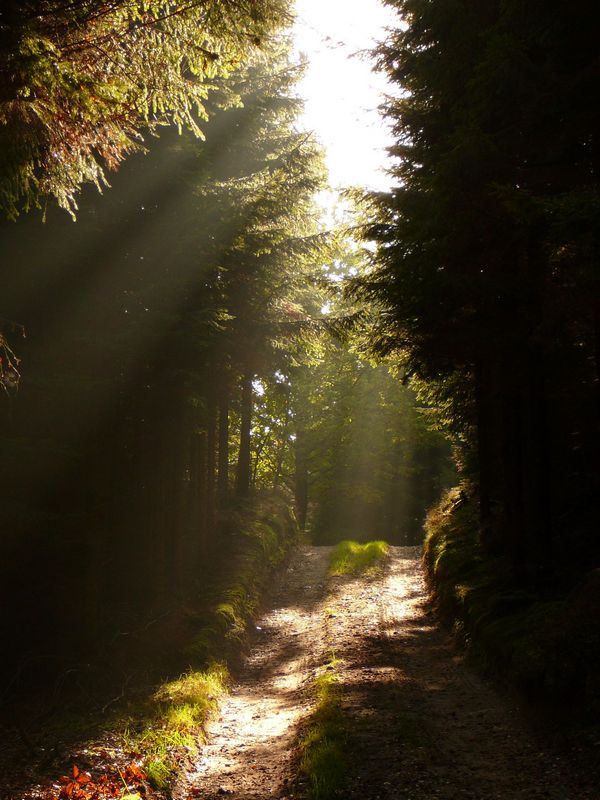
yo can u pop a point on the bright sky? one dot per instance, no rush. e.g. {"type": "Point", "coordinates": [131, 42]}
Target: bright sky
{"type": "Point", "coordinates": [340, 91]}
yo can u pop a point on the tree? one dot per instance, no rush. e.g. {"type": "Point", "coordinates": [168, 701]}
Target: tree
{"type": "Point", "coordinates": [144, 319]}
{"type": "Point", "coordinates": [495, 140]}
{"type": "Point", "coordinates": [81, 82]}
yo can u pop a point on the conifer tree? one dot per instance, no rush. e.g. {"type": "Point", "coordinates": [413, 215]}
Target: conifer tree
{"type": "Point", "coordinates": [80, 83]}
{"type": "Point", "coordinates": [495, 140]}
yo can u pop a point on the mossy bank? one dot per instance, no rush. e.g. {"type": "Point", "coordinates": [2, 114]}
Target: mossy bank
{"type": "Point", "coordinates": [546, 644]}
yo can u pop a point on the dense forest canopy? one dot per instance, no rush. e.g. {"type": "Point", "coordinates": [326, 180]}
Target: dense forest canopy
{"type": "Point", "coordinates": [81, 83]}
{"type": "Point", "coordinates": [199, 340]}
{"type": "Point", "coordinates": [486, 265]}
{"type": "Point", "coordinates": [188, 350]}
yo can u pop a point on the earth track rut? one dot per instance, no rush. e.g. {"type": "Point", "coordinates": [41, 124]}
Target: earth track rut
{"type": "Point", "coordinates": [422, 725]}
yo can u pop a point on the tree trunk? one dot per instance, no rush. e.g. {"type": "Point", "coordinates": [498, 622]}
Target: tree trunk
{"type": "Point", "coordinates": [223, 455]}
{"type": "Point", "coordinates": [199, 489]}
{"type": "Point", "coordinates": [536, 479]}
{"type": "Point", "coordinates": [242, 482]}
{"type": "Point", "coordinates": [211, 455]}
{"type": "Point", "coordinates": [487, 451]}
{"type": "Point", "coordinates": [301, 477]}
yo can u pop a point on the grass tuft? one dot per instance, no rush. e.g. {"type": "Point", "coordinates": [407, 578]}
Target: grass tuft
{"type": "Point", "coordinates": [323, 761]}
{"type": "Point", "coordinates": [353, 558]}
{"type": "Point", "coordinates": [176, 718]}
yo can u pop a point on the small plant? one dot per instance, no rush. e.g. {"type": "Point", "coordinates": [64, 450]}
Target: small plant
{"type": "Point", "coordinates": [353, 558]}
{"type": "Point", "coordinates": [180, 710]}
{"type": "Point", "coordinates": [322, 747]}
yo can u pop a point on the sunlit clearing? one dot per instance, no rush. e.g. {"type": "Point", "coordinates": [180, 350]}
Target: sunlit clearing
{"type": "Point", "coordinates": [353, 558]}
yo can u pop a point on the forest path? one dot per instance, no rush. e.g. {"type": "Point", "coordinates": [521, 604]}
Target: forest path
{"type": "Point", "coordinates": [422, 725]}
{"type": "Point", "coordinates": [250, 750]}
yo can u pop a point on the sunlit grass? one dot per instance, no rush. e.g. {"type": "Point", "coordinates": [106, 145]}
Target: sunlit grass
{"type": "Point", "coordinates": [323, 761]}
{"type": "Point", "coordinates": [353, 558]}
{"type": "Point", "coordinates": [182, 707]}
{"type": "Point", "coordinates": [179, 711]}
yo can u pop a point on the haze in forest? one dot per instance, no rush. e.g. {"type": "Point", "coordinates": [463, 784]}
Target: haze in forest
{"type": "Point", "coordinates": [214, 383]}
{"type": "Point", "coordinates": [341, 90]}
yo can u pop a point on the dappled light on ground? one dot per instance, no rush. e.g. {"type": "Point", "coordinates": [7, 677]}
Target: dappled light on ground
{"type": "Point", "coordinates": [420, 725]}
{"type": "Point", "coordinates": [251, 745]}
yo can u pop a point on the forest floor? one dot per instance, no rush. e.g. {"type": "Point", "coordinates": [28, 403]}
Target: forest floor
{"type": "Point", "coordinates": [418, 723]}
{"type": "Point", "coordinates": [422, 725]}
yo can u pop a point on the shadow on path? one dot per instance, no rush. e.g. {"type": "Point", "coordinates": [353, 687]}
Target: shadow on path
{"type": "Point", "coordinates": [424, 727]}
{"type": "Point", "coordinates": [251, 746]}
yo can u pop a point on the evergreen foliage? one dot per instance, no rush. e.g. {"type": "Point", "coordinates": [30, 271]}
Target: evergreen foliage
{"type": "Point", "coordinates": [80, 82]}
{"type": "Point", "coordinates": [145, 320]}
{"type": "Point", "coordinates": [486, 263]}
{"type": "Point", "coordinates": [546, 644]}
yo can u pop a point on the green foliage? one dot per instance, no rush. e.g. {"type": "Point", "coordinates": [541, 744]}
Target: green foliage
{"type": "Point", "coordinates": [484, 252]}
{"type": "Point", "coordinates": [263, 536]}
{"type": "Point", "coordinates": [174, 719]}
{"type": "Point", "coordinates": [176, 714]}
{"type": "Point", "coordinates": [373, 466]}
{"type": "Point", "coordinates": [194, 255]}
{"type": "Point", "coordinates": [81, 82]}
{"type": "Point", "coordinates": [543, 645]}
{"type": "Point", "coordinates": [323, 758]}
{"type": "Point", "coordinates": [352, 558]}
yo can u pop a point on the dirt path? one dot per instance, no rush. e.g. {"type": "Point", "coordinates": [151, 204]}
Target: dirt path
{"type": "Point", "coordinates": [250, 750]}
{"type": "Point", "coordinates": [424, 727]}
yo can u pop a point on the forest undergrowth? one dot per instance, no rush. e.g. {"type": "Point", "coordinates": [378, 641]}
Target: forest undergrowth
{"type": "Point", "coordinates": [543, 641]}
{"type": "Point", "coordinates": [139, 739]}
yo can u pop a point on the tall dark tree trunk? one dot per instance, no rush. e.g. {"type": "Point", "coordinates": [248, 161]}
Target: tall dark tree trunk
{"type": "Point", "coordinates": [511, 460]}
{"type": "Point", "coordinates": [211, 457]}
{"type": "Point", "coordinates": [223, 454]}
{"type": "Point", "coordinates": [242, 480]}
{"type": "Point", "coordinates": [488, 449]}
{"type": "Point", "coordinates": [199, 490]}
{"type": "Point", "coordinates": [301, 476]}
{"type": "Point", "coordinates": [536, 433]}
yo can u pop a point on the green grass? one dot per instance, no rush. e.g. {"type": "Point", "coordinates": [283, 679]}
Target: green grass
{"type": "Point", "coordinates": [155, 728]}
{"type": "Point", "coordinates": [260, 538]}
{"type": "Point", "coordinates": [175, 719]}
{"type": "Point", "coordinates": [322, 747]}
{"type": "Point", "coordinates": [353, 558]}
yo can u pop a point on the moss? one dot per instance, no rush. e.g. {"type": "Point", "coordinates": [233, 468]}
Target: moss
{"type": "Point", "coordinates": [262, 537]}
{"type": "Point", "coordinates": [544, 645]}
{"type": "Point", "coordinates": [178, 711]}
{"type": "Point", "coordinates": [352, 558]}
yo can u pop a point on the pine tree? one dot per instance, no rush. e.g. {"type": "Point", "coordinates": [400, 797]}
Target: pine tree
{"type": "Point", "coordinates": [495, 140]}
{"type": "Point", "coordinates": [80, 83]}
